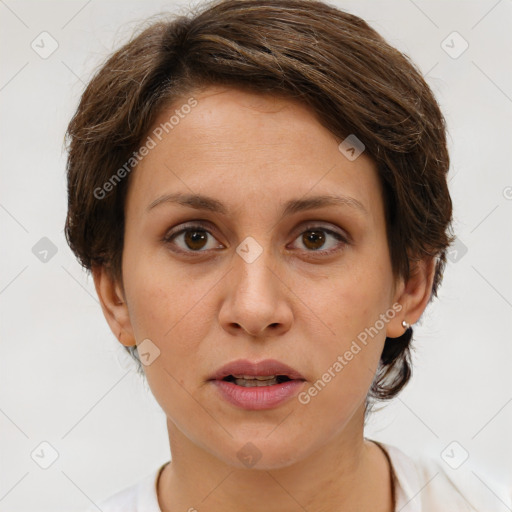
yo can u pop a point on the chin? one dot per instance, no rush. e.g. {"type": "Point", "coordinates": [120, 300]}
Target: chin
{"type": "Point", "coordinates": [264, 452]}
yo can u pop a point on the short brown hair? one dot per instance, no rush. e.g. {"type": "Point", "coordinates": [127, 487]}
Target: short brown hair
{"type": "Point", "coordinates": [306, 50]}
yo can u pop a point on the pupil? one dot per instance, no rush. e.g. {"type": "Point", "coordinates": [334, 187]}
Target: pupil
{"type": "Point", "coordinates": [314, 237]}
{"type": "Point", "coordinates": [195, 239]}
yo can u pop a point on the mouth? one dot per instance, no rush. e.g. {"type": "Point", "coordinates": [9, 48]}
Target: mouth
{"type": "Point", "coordinates": [261, 373]}
{"type": "Point", "coordinates": [257, 385]}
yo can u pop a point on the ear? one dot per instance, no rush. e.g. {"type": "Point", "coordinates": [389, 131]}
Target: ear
{"type": "Point", "coordinates": [413, 296]}
{"type": "Point", "coordinates": [114, 305]}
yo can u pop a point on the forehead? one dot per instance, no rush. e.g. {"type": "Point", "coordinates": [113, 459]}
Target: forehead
{"type": "Point", "coordinates": [235, 144]}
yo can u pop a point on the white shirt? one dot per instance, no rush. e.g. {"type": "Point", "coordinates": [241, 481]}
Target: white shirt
{"type": "Point", "coordinates": [421, 485]}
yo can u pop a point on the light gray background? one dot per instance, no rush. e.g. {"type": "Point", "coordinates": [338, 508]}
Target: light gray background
{"type": "Point", "coordinates": [64, 378]}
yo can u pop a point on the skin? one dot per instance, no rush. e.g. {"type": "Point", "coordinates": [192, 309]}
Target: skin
{"type": "Point", "coordinates": [293, 303]}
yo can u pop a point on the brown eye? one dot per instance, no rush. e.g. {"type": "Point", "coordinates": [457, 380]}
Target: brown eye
{"type": "Point", "coordinates": [313, 239]}
{"type": "Point", "coordinates": [320, 240]}
{"type": "Point", "coordinates": [192, 239]}
{"type": "Point", "coordinates": [195, 240]}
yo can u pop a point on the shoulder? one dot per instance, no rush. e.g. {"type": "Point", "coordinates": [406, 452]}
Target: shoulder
{"type": "Point", "coordinates": [425, 484]}
{"type": "Point", "coordinates": [139, 497]}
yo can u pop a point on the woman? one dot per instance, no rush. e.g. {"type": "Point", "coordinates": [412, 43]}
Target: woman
{"type": "Point", "coordinates": [259, 190]}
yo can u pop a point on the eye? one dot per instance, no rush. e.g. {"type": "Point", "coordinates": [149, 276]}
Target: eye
{"type": "Point", "coordinates": [321, 240]}
{"type": "Point", "coordinates": [193, 239]}
{"type": "Point", "coordinates": [196, 239]}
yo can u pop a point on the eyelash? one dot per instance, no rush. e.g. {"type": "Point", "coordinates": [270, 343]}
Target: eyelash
{"type": "Point", "coordinates": [170, 236]}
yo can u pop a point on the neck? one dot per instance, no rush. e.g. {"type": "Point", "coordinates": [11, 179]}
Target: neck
{"type": "Point", "coordinates": [347, 473]}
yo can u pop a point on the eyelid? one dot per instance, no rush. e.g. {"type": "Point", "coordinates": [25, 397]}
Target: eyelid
{"type": "Point", "coordinates": [329, 228]}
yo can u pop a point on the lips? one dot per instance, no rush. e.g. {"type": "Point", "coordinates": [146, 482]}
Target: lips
{"type": "Point", "coordinates": [243, 368]}
{"type": "Point", "coordinates": [258, 385]}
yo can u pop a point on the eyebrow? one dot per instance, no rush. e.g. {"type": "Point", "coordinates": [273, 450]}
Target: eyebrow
{"type": "Point", "coordinates": [202, 202]}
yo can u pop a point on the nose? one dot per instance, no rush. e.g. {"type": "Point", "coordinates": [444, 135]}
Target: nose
{"type": "Point", "coordinates": [256, 300]}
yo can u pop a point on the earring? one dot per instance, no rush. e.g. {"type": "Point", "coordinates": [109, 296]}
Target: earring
{"type": "Point", "coordinates": [405, 325]}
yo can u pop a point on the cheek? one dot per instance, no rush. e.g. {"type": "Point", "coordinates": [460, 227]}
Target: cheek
{"type": "Point", "coordinates": [350, 299]}
{"type": "Point", "coordinates": [345, 362]}
{"type": "Point", "coordinates": [173, 309]}
{"type": "Point", "coordinates": [162, 296]}
{"type": "Point", "coordinates": [172, 313]}
{"type": "Point", "coordinates": [351, 305]}
{"type": "Point", "coordinates": [173, 318]}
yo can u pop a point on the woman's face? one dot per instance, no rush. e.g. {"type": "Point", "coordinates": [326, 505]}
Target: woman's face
{"type": "Point", "coordinates": [264, 271]}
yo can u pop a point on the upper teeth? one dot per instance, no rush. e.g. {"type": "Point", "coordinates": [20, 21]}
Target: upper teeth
{"type": "Point", "coordinates": [251, 377]}
{"type": "Point", "coordinates": [250, 381]}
